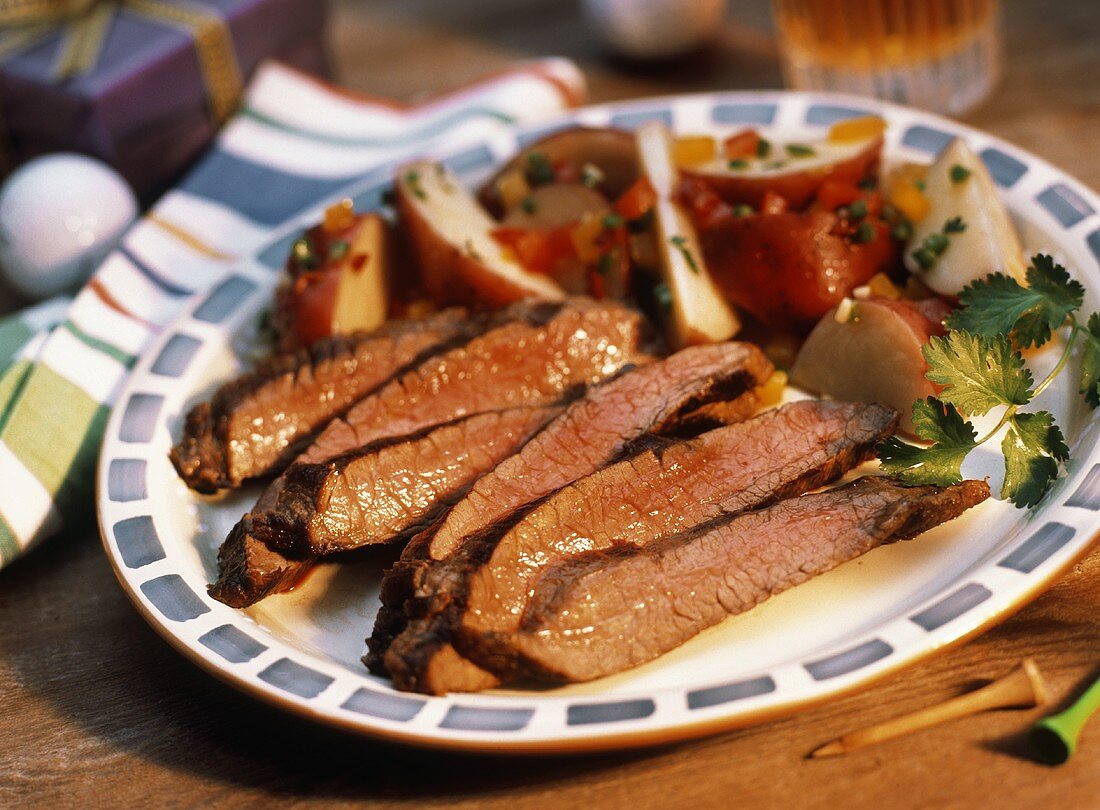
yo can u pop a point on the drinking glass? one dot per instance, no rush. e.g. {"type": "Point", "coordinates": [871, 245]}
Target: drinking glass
{"type": "Point", "coordinates": [942, 55]}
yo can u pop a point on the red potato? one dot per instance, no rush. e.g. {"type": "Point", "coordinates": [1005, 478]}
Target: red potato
{"type": "Point", "coordinates": [609, 150]}
{"type": "Point", "coordinates": [347, 290]}
{"type": "Point", "coordinates": [798, 179]}
{"type": "Point", "coordinates": [873, 354]}
{"type": "Point", "coordinates": [458, 259]}
{"type": "Point", "coordinates": [788, 268]}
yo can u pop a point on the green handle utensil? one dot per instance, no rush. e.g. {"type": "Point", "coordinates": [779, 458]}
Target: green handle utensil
{"type": "Point", "coordinates": [1054, 738]}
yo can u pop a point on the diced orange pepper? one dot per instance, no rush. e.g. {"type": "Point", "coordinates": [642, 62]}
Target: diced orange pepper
{"type": "Point", "coordinates": [513, 189]}
{"type": "Point", "coordinates": [771, 392]}
{"type": "Point", "coordinates": [742, 144]}
{"type": "Point", "coordinates": [909, 199]}
{"type": "Point", "coordinates": [856, 129]}
{"type": "Point", "coordinates": [880, 285]}
{"type": "Point", "coordinates": [339, 217]}
{"type": "Point", "coordinates": [536, 250]}
{"type": "Point", "coordinates": [637, 200]}
{"type": "Point", "coordinates": [834, 193]}
{"type": "Point", "coordinates": [691, 150]}
{"type": "Point", "coordinates": [586, 238]}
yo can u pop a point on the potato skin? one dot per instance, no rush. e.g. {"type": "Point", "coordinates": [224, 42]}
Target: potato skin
{"type": "Point", "coordinates": [789, 269]}
{"type": "Point", "coordinates": [446, 273]}
{"type": "Point", "coordinates": [798, 188]}
{"type": "Point", "coordinates": [610, 149]}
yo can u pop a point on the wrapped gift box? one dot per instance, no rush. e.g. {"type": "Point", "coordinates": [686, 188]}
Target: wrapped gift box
{"type": "Point", "coordinates": [155, 92]}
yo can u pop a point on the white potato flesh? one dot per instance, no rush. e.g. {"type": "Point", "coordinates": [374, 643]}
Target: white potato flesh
{"type": "Point", "coordinates": [452, 216]}
{"type": "Point", "coordinates": [823, 156]}
{"type": "Point", "coordinates": [699, 312]}
{"type": "Point", "coordinates": [362, 297]}
{"type": "Point", "coordinates": [988, 245]}
{"type": "Point", "coordinates": [557, 204]}
{"type": "Point", "coordinates": [874, 356]}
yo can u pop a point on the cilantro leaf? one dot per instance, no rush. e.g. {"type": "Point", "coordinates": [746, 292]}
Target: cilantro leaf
{"type": "Point", "coordinates": [1032, 447]}
{"type": "Point", "coordinates": [977, 372]}
{"type": "Point", "coordinates": [952, 440]}
{"type": "Point", "coordinates": [998, 304]}
{"type": "Point", "coordinates": [1090, 361]}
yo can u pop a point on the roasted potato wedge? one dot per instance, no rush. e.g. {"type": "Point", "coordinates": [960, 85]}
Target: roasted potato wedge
{"type": "Point", "coordinates": [458, 260]}
{"type": "Point", "coordinates": [958, 185]}
{"type": "Point", "coordinates": [610, 150]}
{"type": "Point", "coordinates": [698, 312]}
{"type": "Point", "coordinates": [794, 178]}
{"type": "Point", "coordinates": [556, 204]}
{"type": "Point", "coordinates": [871, 352]}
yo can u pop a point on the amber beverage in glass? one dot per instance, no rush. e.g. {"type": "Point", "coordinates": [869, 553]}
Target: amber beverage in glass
{"type": "Point", "coordinates": [942, 55]}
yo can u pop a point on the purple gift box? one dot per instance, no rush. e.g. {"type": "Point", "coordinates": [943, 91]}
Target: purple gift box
{"type": "Point", "coordinates": [143, 105]}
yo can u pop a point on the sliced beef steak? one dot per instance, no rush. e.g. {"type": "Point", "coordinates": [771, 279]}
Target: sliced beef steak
{"type": "Point", "coordinates": [591, 433]}
{"type": "Point", "coordinates": [538, 354]}
{"type": "Point", "coordinates": [484, 587]}
{"type": "Point", "coordinates": [389, 490]}
{"type": "Point", "coordinates": [604, 611]}
{"type": "Point", "coordinates": [256, 424]}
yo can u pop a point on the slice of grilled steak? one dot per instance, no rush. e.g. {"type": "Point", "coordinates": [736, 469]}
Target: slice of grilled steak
{"type": "Point", "coordinates": [537, 354]}
{"type": "Point", "coordinates": [389, 490]}
{"type": "Point", "coordinates": [604, 611]}
{"type": "Point", "coordinates": [591, 433]}
{"type": "Point", "coordinates": [256, 424]}
{"type": "Point", "coordinates": [484, 586]}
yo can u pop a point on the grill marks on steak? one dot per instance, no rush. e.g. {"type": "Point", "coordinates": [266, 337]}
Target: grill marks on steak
{"type": "Point", "coordinates": [389, 490]}
{"type": "Point", "coordinates": [604, 611]}
{"type": "Point", "coordinates": [254, 425]}
{"type": "Point", "coordinates": [591, 433]}
{"type": "Point", "coordinates": [484, 587]}
{"type": "Point", "coordinates": [537, 354]}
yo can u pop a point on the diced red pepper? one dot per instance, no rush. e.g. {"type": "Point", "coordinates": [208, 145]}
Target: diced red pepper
{"type": "Point", "coordinates": [773, 203]}
{"type": "Point", "coordinates": [637, 200]}
{"type": "Point", "coordinates": [742, 144]}
{"type": "Point", "coordinates": [537, 250]}
{"type": "Point", "coordinates": [835, 193]}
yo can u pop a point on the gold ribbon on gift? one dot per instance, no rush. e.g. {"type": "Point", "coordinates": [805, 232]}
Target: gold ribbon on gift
{"type": "Point", "coordinates": [84, 25]}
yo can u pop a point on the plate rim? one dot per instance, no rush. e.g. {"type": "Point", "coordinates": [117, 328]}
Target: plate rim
{"type": "Point", "coordinates": [669, 729]}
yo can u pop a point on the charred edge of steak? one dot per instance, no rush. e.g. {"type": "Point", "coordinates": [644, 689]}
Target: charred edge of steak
{"type": "Point", "coordinates": [877, 421]}
{"type": "Point", "coordinates": [249, 570]}
{"type": "Point", "coordinates": [200, 455]}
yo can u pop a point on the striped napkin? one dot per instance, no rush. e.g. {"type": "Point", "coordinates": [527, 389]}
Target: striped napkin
{"type": "Point", "coordinates": [294, 143]}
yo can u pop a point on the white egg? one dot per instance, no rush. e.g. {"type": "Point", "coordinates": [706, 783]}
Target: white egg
{"type": "Point", "coordinates": [59, 217]}
{"type": "Point", "coordinates": [653, 29]}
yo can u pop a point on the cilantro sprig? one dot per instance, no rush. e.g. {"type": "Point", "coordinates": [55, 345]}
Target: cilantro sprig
{"type": "Point", "coordinates": [980, 368]}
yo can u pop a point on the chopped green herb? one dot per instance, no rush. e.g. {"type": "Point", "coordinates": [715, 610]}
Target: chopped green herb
{"type": "Point", "coordinates": [303, 252]}
{"type": "Point", "coordinates": [958, 174]}
{"type": "Point", "coordinates": [642, 223]}
{"type": "Point", "coordinates": [743, 210]}
{"type": "Point", "coordinates": [471, 251]}
{"type": "Point", "coordinates": [338, 249]}
{"type": "Point", "coordinates": [858, 209]}
{"type": "Point", "coordinates": [591, 175]}
{"type": "Point", "coordinates": [864, 233]}
{"type": "Point", "coordinates": [663, 296]}
{"type": "Point", "coordinates": [612, 221]}
{"type": "Point", "coordinates": [937, 243]}
{"type": "Point", "coordinates": [738, 164]}
{"type": "Point", "coordinates": [954, 225]}
{"type": "Point", "coordinates": [412, 180]}
{"type": "Point", "coordinates": [680, 243]}
{"type": "Point", "coordinates": [606, 263]}
{"type": "Point", "coordinates": [918, 185]}
{"type": "Point", "coordinates": [925, 259]}
{"type": "Point", "coordinates": [528, 205]}
{"type": "Point", "coordinates": [763, 148]}
{"type": "Point", "coordinates": [800, 150]}
{"type": "Point", "coordinates": [539, 169]}
{"type": "Point", "coordinates": [388, 197]}
{"type": "Point", "coordinates": [902, 230]}
{"type": "Point", "coordinates": [774, 164]}
{"type": "Point", "coordinates": [980, 369]}
{"type": "Point", "coordinates": [868, 184]}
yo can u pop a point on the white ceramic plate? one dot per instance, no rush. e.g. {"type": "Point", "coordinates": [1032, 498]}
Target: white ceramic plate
{"type": "Point", "coordinates": [838, 632]}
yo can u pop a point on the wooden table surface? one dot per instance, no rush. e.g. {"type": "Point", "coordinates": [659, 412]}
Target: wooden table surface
{"type": "Point", "coordinates": [96, 710]}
